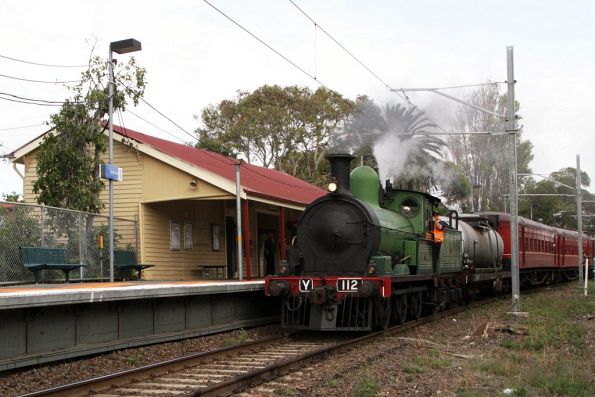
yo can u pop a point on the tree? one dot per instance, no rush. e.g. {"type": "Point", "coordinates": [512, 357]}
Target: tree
{"type": "Point", "coordinates": [286, 128]}
{"type": "Point", "coordinates": [13, 197]}
{"type": "Point", "coordinates": [484, 159]}
{"type": "Point", "coordinates": [400, 141]}
{"type": "Point", "coordinates": [70, 153]}
{"type": "Point", "coordinates": [560, 210]}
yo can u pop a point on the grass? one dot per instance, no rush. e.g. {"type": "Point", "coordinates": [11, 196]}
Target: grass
{"type": "Point", "coordinates": [552, 358]}
{"type": "Point", "coordinates": [434, 360]}
{"type": "Point", "coordinates": [236, 338]}
{"type": "Point", "coordinates": [367, 387]}
{"type": "Point", "coordinates": [134, 359]}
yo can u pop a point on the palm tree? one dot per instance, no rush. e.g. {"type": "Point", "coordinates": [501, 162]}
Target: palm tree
{"type": "Point", "coordinates": [396, 141]}
{"type": "Point", "coordinates": [422, 152]}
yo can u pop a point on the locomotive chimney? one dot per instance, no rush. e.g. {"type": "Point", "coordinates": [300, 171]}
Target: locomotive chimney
{"type": "Point", "coordinates": [340, 169]}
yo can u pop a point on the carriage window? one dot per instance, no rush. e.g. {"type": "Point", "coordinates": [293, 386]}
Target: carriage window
{"type": "Point", "coordinates": [409, 207]}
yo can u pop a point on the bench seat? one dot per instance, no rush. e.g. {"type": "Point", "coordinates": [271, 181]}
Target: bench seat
{"type": "Point", "coordinates": [125, 260]}
{"type": "Point", "coordinates": [37, 259]}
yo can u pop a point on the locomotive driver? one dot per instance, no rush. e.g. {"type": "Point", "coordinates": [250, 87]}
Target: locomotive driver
{"type": "Point", "coordinates": [438, 234]}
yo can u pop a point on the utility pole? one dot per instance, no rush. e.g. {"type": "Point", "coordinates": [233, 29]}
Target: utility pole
{"type": "Point", "coordinates": [514, 212]}
{"type": "Point", "coordinates": [579, 220]}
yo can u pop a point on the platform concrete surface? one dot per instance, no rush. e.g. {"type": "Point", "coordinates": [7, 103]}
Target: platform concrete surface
{"type": "Point", "coordinates": [59, 294]}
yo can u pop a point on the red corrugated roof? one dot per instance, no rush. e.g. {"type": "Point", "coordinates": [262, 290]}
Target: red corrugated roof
{"type": "Point", "coordinates": [255, 180]}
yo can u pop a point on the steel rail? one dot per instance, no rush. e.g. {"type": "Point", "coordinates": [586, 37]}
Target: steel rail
{"type": "Point", "coordinates": [253, 377]}
{"type": "Point", "coordinates": [119, 378]}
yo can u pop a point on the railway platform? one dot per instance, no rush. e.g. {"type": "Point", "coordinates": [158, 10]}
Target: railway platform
{"type": "Point", "coordinates": [48, 322]}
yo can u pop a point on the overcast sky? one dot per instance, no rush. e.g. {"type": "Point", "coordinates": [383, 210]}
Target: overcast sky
{"type": "Point", "coordinates": [195, 57]}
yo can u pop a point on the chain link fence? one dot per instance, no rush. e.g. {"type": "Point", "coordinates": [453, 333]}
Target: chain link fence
{"type": "Point", "coordinates": [79, 233]}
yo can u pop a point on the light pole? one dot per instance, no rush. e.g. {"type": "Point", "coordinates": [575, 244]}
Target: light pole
{"type": "Point", "coordinates": [119, 47]}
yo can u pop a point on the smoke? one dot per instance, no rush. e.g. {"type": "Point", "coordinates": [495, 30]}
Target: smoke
{"type": "Point", "coordinates": [391, 154]}
{"type": "Point", "coordinates": [396, 158]}
{"type": "Point", "coordinates": [395, 135]}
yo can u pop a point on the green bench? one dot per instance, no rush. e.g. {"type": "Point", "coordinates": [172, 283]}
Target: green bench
{"type": "Point", "coordinates": [126, 260]}
{"type": "Point", "coordinates": [37, 259]}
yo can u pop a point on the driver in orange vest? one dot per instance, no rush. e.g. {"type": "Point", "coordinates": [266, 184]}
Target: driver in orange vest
{"type": "Point", "coordinates": [438, 234]}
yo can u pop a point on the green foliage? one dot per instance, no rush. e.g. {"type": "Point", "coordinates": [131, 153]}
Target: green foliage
{"type": "Point", "coordinates": [236, 338]}
{"type": "Point", "coordinates": [553, 358]}
{"type": "Point", "coordinates": [484, 158]}
{"type": "Point", "coordinates": [560, 380]}
{"type": "Point", "coordinates": [549, 326]}
{"type": "Point", "coordinates": [559, 211]}
{"type": "Point", "coordinates": [134, 359]}
{"type": "Point", "coordinates": [18, 227]}
{"type": "Point", "coordinates": [412, 369]}
{"type": "Point", "coordinates": [332, 382]}
{"type": "Point", "coordinates": [286, 128]}
{"type": "Point", "coordinates": [367, 387]}
{"type": "Point", "coordinates": [13, 197]}
{"type": "Point", "coordinates": [395, 140]}
{"type": "Point", "coordinates": [434, 360]}
{"type": "Point", "coordinates": [458, 186]}
{"type": "Point", "coordinates": [70, 153]}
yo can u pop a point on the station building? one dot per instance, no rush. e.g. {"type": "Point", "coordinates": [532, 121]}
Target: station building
{"type": "Point", "coordinates": [183, 200]}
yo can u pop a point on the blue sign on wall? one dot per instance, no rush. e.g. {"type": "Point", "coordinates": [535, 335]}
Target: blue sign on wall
{"type": "Point", "coordinates": [110, 172]}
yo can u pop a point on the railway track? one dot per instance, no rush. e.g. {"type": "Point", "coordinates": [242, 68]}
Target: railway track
{"type": "Point", "coordinates": [224, 371]}
{"type": "Point", "coordinates": [230, 370]}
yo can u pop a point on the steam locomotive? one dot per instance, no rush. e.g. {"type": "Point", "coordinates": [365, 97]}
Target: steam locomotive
{"type": "Point", "coordinates": [364, 256]}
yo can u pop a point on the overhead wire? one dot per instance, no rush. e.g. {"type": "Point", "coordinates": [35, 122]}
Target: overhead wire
{"type": "Point", "coordinates": [454, 86]}
{"type": "Point", "coordinates": [169, 119]}
{"type": "Point", "coordinates": [39, 102]}
{"type": "Point", "coordinates": [154, 125]}
{"type": "Point", "coordinates": [39, 81]}
{"type": "Point", "coordinates": [22, 127]}
{"type": "Point", "coordinates": [29, 102]}
{"type": "Point", "coordinates": [42, 64]}
{"type": "Point", "coordinates": [295, 65]}
{"type": "Point", "coordinates": [401, 94]}
{"type": "Point", "coordinates": [316, 24]}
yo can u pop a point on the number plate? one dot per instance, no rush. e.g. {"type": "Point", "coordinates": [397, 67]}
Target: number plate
{"type": "Point", "coordinates": [306, 284]}
{"type": "Point", "coordinates": [348, 284]}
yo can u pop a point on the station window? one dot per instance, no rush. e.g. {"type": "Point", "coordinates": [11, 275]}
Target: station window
{"type": "Point", "coordinates": [174, 235]}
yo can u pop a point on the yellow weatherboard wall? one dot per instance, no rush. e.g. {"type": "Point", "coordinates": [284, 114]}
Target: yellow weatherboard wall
{"type": "Point", "coordinates": [163, 182]}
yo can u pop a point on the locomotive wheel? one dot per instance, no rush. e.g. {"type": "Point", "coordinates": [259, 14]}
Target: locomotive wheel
{"type": "Point", "coordinates": [400, 306]}
{"type": "Point", "coordinates": [383, 312]}
{"type": "Point", "coordinates": [416, 305]}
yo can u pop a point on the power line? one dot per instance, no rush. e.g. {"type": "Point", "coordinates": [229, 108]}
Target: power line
{"type": "Point", "coordinates": [454, 86]}
{"type": "Point", "coordinates": [29, 102]}
{"type": "Point", "coordinates": [317, 25]}
{"type": "Point", "coordinates": [22, 127]}
{"type": "Point", "coordinates": [154, 125]}
{"type": "Point", "coordinates": [286, 59]}
{"type": "Point", "coordinates": [30, 99]}
{"type": "Point", "coordinates": [170, 120]}
{"type": "Point", "coordinates": [402, 96]}
{"type": "Point", "coordinates": [39, 81]}
{"type": "Point", "coordinates": [43, 64]}
{"type": "Point", "coordinates": [41, 102]}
